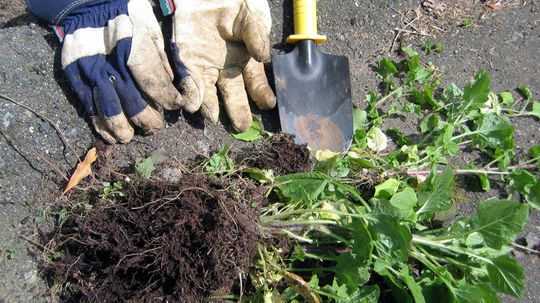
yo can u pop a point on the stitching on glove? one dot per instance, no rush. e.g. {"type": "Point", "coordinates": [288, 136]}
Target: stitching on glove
{"type": "Point", "coordinates": [67, 9]}
{"type": "Point", "coordinates": [261, 38]}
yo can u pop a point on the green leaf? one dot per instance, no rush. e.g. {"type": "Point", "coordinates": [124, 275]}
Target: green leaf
{"type": "Point", "coordinates": [466, 22]}
{"type": "Point", "coordinates": [521, 180]}
{"type": "Point", "coordinates": [468, 293]}
{"type": "Point", "coordinates": [405, 201]}
{"type": "Point", "coordinates": [493, 131]}
{"type": "Point", "coordinates": [366, 294]}
{"type": "Point", "coordinates": [476, 92]}
{"type": "Point", "coordinates": [536, 109]}
{"type": "Point", "coordinates": [526, 92]}
{"type": "Point", "coordinates": [415, 289]}
{"type": "Point", "coordinates": [439, 196]}
{"type": "Point", "coordinates": [386, 189]}
{"type": "Point", "coordinates": [507, 98]}
{"type": "Point", "coordinates": [484, 181]}
{"type": "Point", "coordinates": [534, 153]}
{"type": "Point", "coordinates": [501, 221]}
{"type": "Point", "coordinates": [409, 51]}
{"type": "Point", "coordinates": [398, 136]}
{"type": "Point", "coordinates": [146, 166]}
{"type": "Point", "coordinates": [430, 122]}
{"type": "Point", "coordinates": [386, 68]}
{"type": "Point", "coordinates": [253, 133]}
{"type": "Point", "coordinates": [363, 244]}
{"type": "Point", "coordinates": [506, 275]}
{"type": "Point", "coordinates": [351, 272]}
{"type": "Point", "coordinates": [392, 240]}
{"type": "Point", "coordinates": [220, 162]}
{"type": "Point", "coordinates": [376, 139]}
{"type": "Point", "coordinates": [299, 185]}
{"type": "Point", "coordinates": [359, 118]}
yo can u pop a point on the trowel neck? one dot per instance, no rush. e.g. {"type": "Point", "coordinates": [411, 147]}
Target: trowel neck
{"type": "Point", "coordinates": [308, 53]}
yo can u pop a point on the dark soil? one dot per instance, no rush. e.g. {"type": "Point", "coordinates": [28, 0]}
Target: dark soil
{"type": "Point", "coordinates": [278, 153]}
{"type": "Point", "coordinates": [162, 242]}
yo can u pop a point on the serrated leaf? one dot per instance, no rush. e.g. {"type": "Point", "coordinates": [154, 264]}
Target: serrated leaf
{"type": "Point", "coordinates": [392, 240]}
{"type": "Point", "coordinates": [477, 91]}
{"type": "Point", "coordinates": [439, 196]}
{"type": "Point", "coordinates": [501, 221]}
{"type": "Point", "coordinates": [376, 139]}
{"type": "Point", "coordinates": [147, 166]}
{"type": "Point", "coordinates": [405, 201]}
{"type": "Point", "coordinates": [506, 275]}
{"type": "Point", "coordinates": [386, 189]}
{"type": "Point", "coordinates": [366, 294]}
{"type": "Point", "coordinates": [468, 293]}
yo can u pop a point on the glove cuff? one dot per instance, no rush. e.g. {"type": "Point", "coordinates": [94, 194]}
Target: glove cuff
{"type": "Point", "coordinates": [53, 11]}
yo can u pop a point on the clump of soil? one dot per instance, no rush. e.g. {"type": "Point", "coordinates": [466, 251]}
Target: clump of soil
{"type": "Point", "coordinates": [158, 242]}
{"type": "Point", "coordinates": [279, 153]}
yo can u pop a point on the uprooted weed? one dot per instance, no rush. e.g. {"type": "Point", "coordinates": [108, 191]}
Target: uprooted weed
{"type": "Point", "coordinates": [136, 240]}
{"type": "Point", "coordinates": [157, 242]}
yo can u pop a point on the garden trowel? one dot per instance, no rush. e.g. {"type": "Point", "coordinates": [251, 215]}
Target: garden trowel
{"type": "Point", "coordinates": [313, 88]}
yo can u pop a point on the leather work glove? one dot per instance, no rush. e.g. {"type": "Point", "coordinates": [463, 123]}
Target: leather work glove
{"type": "Point", "coordinates": [113, 56]}
{"type": "Point", "coordinates": [222, 43]}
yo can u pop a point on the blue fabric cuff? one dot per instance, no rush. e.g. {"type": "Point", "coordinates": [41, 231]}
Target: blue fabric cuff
{"type": "Point", "coordinates": [53, 11]}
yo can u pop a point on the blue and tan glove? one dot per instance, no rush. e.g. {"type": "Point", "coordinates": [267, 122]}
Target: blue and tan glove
{"type": "Point", "coordinates": [222, 43]}
{"type": "Point", "coordinates": [113, 56]}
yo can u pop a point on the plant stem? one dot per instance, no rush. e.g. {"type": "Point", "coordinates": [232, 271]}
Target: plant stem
{"type": "Point", "coordinates": [388, 96]}
{"type": "Point", "coordinates": [487, 171]}
{"type": "Point", "coordinates": [285, 215]}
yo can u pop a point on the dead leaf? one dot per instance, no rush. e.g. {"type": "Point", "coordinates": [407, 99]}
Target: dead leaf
{"type": "Point", "coordinates": [493, 5]}
{"type": "Point", "coordinates": [300, 286]}
{"type": "Point", "coordinates": [84, 169]}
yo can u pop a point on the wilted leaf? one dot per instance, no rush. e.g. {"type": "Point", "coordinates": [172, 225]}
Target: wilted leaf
{"type": "Point", "coordinates": [377, 140]}
{"type": "Point", "coordinates": [301, 287]}
{"type": "Point", "coordinates": [83, 169]}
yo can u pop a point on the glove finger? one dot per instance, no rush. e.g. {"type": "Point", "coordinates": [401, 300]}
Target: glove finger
{"type": "Point", "coordinates": [147, 59]}
{"type": "Point", "coordinates": [256, 23]}
{"type": "Point", "coordinates": [79, 83]}
{"type": "Point", "coordinates": [132, 103]}
{"type": "Point", "coordinates": [210, 104]}
{"type": "Point", "coordinates": [111, 122]}
{"type": "Point", "coordinates": [257, 85]}
{"type": "Point", "coordinates": [231, 86]}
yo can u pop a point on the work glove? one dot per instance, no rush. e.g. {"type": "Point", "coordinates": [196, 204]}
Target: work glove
{"type": "Point", "coordinates": [113, 56]}
{"type": "Point", "coordinates": [222, 43]}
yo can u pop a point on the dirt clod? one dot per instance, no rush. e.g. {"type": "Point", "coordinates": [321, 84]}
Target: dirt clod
{"type": "Point", "coordinates": [158, 242]}
{"type": "Point", "coordinates": [279, 153]}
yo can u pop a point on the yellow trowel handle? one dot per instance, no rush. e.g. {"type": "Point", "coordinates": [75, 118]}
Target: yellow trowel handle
{"type": "Point", "coordinates": [305, 22]}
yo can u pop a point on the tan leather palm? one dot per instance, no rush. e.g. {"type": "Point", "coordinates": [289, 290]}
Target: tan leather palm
{"type": "Point", "coordinates": [222, 44]}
